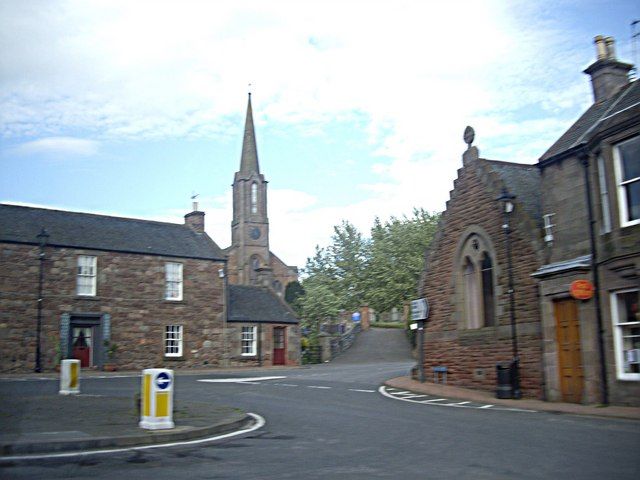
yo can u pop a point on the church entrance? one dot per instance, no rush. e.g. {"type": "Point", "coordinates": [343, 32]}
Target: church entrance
{"type": "Point", "coordinates": [279, 345]}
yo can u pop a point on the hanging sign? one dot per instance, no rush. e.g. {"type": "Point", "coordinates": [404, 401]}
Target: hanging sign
{"type": "Point", "coordinates": [581, 289]}
{"type": "Point", "coordinates": [419, 309]}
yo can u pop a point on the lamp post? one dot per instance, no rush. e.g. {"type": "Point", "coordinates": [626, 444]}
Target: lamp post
{"type": "Point", "coordinates": [42, 237]}
{"type": "Point", "coordinates": [506, 200]}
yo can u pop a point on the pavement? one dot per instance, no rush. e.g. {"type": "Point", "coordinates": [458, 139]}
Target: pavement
{"type": "Point", "coordinates": [49, 424]}
{"type": "Point", "coordinates": [449, 391]}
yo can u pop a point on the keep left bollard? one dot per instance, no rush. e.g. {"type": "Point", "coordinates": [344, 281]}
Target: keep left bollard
{"type": "Point", "coordinates": [156, 401]}
{"type": "Point", "coordinates": [69, 377]}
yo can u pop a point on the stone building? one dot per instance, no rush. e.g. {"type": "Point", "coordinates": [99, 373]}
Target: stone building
{"type": "Point", "coordinates": [591, 204]}
{"type": "Point", "coordinates": [147, 293]}
{"type": "Point", "coordinates": [251, 262]}
{"type": "Point", "coordinates": [466, 277]}
{"type": "Point", "coordinates": [141, 294]}
{"type": "Point", "coordinates": [575, 223]}
{"type": "Point", "coordinates": [263, 330]}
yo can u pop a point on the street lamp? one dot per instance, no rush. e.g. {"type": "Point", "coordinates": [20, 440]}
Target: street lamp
{"type": "Point", "coordinates": [42, 237]}
{"type": "Point", "coordinates": [506, 199]}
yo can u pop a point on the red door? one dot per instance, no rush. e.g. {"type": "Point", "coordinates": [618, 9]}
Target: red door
{"type": "Point", "coordinates": [279, 346]}
{"type": "Point", "coordinates": [81, 346]}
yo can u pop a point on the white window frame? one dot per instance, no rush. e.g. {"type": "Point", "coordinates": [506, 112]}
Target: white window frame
{"type": "Point", "coordinates": [548, 226]}
{"type": "Point", "coordinates": [173, 336]}
{"type": "Point", "coordinates": [622, 191]}
{"type": "Point", "coordinates": [173, 281]}
{"type": "Point", "coordinates": [604, 197]}
{"type": "Point", "coordinates": [249, 341]}
{"type": "Point", "coordinates": [87, 274]}
{"type": "Point", "coordinates": [618, 338]}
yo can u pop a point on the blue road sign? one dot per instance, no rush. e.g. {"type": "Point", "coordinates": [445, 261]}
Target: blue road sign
{"type": "Point", "coordinates": [163, 380]}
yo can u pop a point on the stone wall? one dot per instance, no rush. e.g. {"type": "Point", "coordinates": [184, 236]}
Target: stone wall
{"type": "Point", "coordinates": [130, 289]}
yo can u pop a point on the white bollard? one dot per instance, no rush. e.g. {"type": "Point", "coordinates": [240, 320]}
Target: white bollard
{"type": "Point", "coordinates": [69, 377]}
{"type": "Point", "coordinates": [156, 401]}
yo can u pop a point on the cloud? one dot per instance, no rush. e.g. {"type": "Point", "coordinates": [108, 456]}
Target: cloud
{"type": "Point", "coordinates": [57, 147]}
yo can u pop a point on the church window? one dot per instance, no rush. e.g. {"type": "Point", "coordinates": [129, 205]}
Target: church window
{"type": "Point", "coordinates": [471, 294]}
{"type": "Point", "coordinates": [254, 265]}
{"type": "Point", "coordinates": [477, 286]}
{"type": "Point", "coordinates": [254, 198]}
{"type": "Point", "coordinates": [487, 290]}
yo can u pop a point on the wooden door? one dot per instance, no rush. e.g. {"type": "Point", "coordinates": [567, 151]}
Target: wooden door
{"type": "Point", "coordinates": [82, 338]}
{"type": "Point", "coordinates": [569, 352]}
{"type": "Point", "coordinates": [279, 345]}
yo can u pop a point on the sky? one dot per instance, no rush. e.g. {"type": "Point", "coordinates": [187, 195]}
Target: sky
{"type": "Point", "coordinates": [128, 108]}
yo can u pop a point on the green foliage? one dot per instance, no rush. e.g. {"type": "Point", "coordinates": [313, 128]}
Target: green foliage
{"type": "Point", "coordinates": [382, 271]}
{"type": "Point", "coordinates": [293, 296]}
{"type": "Point", "coordinates": [397, 258]}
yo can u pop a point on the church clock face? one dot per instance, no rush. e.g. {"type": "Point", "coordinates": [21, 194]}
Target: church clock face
{"type": "Point", "coordinates": [255, 233]}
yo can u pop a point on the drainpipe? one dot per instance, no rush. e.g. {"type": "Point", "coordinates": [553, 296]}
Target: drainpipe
{"type": "Point", "coordinates": [604, 389]}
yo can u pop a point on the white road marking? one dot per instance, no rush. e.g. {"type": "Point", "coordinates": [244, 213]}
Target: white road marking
{"type": "Point", "coordinates": [316, 386]}
{"type": "Point", "coordinates": [286, 385]}
{"type": "Point", "coordinates": [414, 396]}
{"type": "Point", "coordinates": [400, 395]}
{"type": "Point", "coordinates": [260, 422]}
{"type": "Point", "coordinates": [238, 380]}
{"type": "Point", "coordinates": [359, 390]}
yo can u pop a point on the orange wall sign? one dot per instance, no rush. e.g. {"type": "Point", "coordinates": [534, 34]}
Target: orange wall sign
{"type": "Point", "coordinates": [581, 289]}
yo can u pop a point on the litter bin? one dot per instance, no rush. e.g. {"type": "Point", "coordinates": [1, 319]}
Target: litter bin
{"type": "Point", "coordinates": [503, 388]}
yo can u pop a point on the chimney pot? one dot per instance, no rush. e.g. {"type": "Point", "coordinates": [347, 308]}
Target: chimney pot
{"type": "Point", "coordinates": [601, 47]}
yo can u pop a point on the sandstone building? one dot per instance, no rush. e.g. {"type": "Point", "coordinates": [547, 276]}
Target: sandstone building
{"type": "Point", "coordinates": [139, 294]}
{"type": "Point", "coordinates": [575, 222]}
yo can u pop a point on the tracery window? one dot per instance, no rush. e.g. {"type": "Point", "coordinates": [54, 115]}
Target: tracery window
{"type": "Point", "coordinates": [254, 198]}
{"type": "Point", "coordinates": [477, 283]}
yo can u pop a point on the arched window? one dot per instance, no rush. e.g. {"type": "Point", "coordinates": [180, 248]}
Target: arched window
{"type": "Point", "coordinates": [253, 271]}
{"type": "Point", "coordinates": [476, 282]}
{"type": "Point", "coordinates": [254, 197]}
{"type": "Point", "coordinates": [471, 294]}
{"type": "Point", "coordinates": [487, 290]}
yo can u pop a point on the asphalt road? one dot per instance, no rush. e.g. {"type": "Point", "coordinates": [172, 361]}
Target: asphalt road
{"type": "Point", "coordinates": [329, 421]}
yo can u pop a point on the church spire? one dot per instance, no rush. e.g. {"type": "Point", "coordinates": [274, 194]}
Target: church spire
{"type": "Point", "coordinates": [249, 160]}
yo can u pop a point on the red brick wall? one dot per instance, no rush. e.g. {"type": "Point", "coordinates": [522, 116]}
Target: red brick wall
{"type": "Point", "coordinates": [130, 288]}
{"type": "Point", "coordinates": [471, 354]}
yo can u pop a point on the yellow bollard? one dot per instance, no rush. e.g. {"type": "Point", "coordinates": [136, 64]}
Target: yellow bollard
{"type": "Point", "coordinates": [156, 409]}
{"type": "Point", "coordinates": [69, 377]}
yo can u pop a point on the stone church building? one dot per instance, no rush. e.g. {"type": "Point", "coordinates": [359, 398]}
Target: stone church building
{"type": "Point", "coordinates": [136, 294]}
{"type": "Point", "coordinates": [262, 329]}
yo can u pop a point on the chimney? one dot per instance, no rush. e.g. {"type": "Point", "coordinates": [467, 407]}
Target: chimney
{"type": "Point", "coordinates": [195, 220]}
{"type": "Point", "coordinates": [608, 75]}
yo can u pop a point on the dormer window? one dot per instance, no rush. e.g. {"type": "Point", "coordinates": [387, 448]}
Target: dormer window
{"type": "Point", "coordinates": [254, 198]}
{"type": "Point", "coordinates": [627, 166]}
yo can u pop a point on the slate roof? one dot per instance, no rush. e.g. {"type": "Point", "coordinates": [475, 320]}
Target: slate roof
{"type": "Point", "coordinates": [100, 232]}
{"type": "Point", "coordinates": [257, 305]}
{"type": "Point", "coordinates": [523, 181]}
{"type": "Point", "coordinates": [589, 122]}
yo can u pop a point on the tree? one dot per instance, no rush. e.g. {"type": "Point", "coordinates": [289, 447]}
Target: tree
{"type": "Point", "coordinates": [397, 258]}
{"type": "Point", "coordinates": [293, 294]}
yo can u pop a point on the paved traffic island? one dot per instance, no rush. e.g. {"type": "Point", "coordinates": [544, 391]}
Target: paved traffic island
{"type": "Point", "coordinates": [59, 423]}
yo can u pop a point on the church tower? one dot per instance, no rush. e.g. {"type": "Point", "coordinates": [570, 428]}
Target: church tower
{"type": "Point", "coordinates": [250, 260]}
{"type": "Point", "coordinates": [250, 225]}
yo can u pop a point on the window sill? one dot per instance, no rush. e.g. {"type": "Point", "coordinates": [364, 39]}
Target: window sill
{"type": "Point", "coordinates": [93, 298]}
